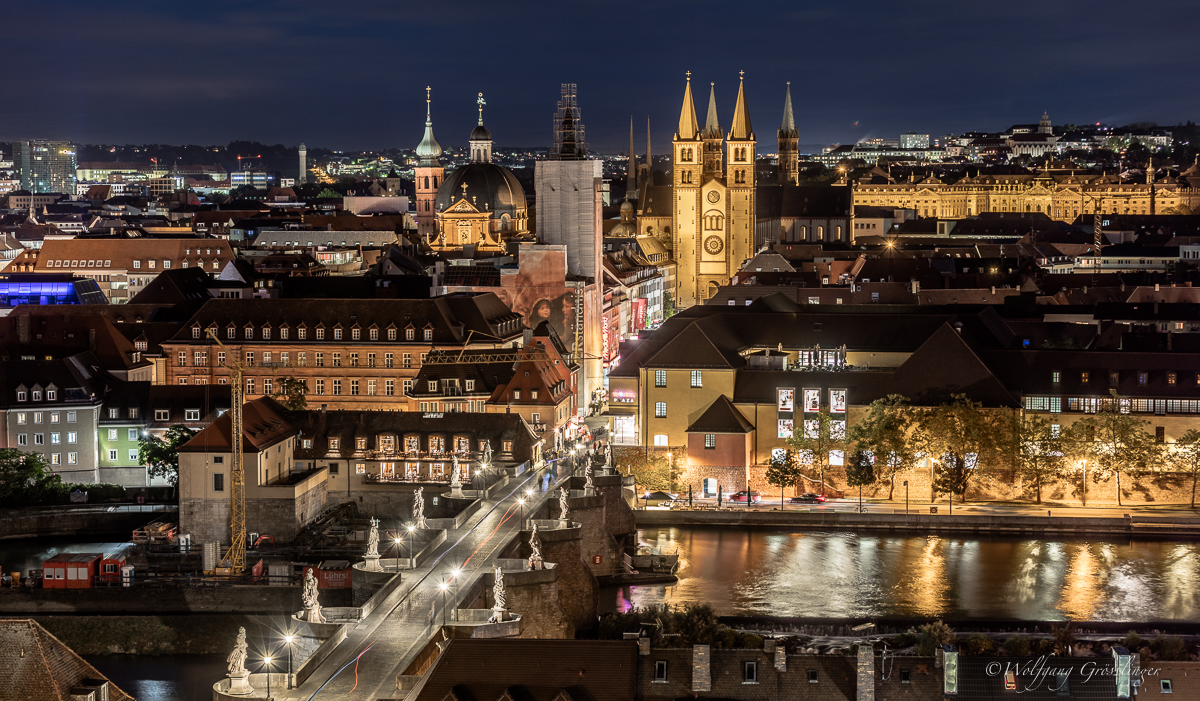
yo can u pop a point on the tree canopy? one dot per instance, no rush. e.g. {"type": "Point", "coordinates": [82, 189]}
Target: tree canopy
{"type": "Point", "coordinates": [161, 455]}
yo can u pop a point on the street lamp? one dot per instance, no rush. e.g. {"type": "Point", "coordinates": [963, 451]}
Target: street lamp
{"type": "Point", "coordinates": [905, 497]}
{"type": "Point", "coordinates": [521, 502]}
{"type": "Point", "coordinates": [411, 555]}
{"type": "Point", "coordinates": [267, 664]}
{"type": "Point", "coordinates": [288, 639]}
{"type": "Point", "coordinates": [443, 585]}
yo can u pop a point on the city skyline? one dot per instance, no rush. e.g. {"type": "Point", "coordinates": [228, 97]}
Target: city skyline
{"type": "Point", "coordinates": [964, 70]}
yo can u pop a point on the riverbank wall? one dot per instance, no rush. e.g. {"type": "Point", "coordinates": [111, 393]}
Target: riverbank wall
{"type": "Point", "coordinates": [107, 601]}
{"type": "Point", "coordinates": [155, 635]}
{"type": "Point", "coordinates": [89, 520]}
{"type": "Point", "coordinates": [978, 524]}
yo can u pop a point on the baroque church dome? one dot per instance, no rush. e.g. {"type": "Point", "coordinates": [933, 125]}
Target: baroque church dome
{"type": "Point", "coordinates": [490, 188]}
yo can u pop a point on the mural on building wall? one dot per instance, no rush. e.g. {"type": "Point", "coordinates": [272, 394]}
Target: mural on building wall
{"type": "Point", "coordinates": [538, 292]}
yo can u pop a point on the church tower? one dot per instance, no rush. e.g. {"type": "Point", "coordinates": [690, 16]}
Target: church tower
{"type": "Point", "coordinates": [481, 138]}
{"type": "Point", "coordinates": [1044, 126]}
{"type": "Point", "coordinates": [429, 175]}
{"type": "Point", "coordinates": [646, 167]}
{"type": "Point", "coordinates": [686, 180]}
{"type": "Point", "coordinates": [740, 159]}
{"type": "Point", "coordinates": [712, 137]}
{"type": "Point", "coordinates": [789, 143]}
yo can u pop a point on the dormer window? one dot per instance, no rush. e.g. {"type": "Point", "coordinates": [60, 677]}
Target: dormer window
{"type": "Point", "coordinates": [410, 334]}
{"type": "Point", "coordinates": [283, 333]}
{"type": "Point", "coordinates": [230, 333]}
{"type": "Point", "coordinates": [428, 334]}
{"type": "Point", "coordinates": [374, 334]}
{"type": "Point", "coordinates": [320, 333]}
{"type": "Point", "coordinates": [301, 333]}
{"type": "Point", "coordinates": [333, 444]}
{"type": "Point", "coordinates": [21, 397]}
{"type": "Point", "coordinates": [516, 395]}
{"type": "Point", "coordinates": [470, 385]}
{"type": "Point", "coordinates": [306, 443]}
{"type": "Point", "coordinates": [37, 395]}
{"type": "Point", "coordinates": [360, 443]}
{"type": "Point", "coordinates": [195, 332]}
{"type": "Point", "coordinates": [433, 385]}
{"type": "Point", "coordinates": [337, 333]}
{"type": "Point", "coordinates": [51, 395]}
{"type": "Point", "coordinates": [266, 334]}
{"type": "Point", "coordinates": [391, 334]}
{"type": "Point", "coordinates": [506, 446]}
{"type": "Point", "coordinates": [249, 333]}
{"type": "Point", "coordinates": [533, 394]}
{"type": "Point", "coordinates": [355, 334]}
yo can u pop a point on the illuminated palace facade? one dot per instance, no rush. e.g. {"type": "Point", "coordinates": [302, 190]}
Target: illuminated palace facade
{"type": "Point", "coordinates": [1061, 195]}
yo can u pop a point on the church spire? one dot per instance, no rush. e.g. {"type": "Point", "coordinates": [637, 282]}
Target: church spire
{"type": "Point", "coordinates": [631, 175]}
{"type": "Point", "coordinates": [687, 116]}
{"type": "Point", "coordinates": [788, 129]}
{"type": "Point", "coordinates": [429, 149]}
{"type": "Point", "coordinates": [648, 159]}
{"type": "Point", "coordinates": [741, 129]}
{"type": "Point", "coordinates": [712, 127]}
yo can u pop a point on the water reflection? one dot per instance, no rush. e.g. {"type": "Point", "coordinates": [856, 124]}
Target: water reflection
{"type": "Point", "coordinates": [840, 574]}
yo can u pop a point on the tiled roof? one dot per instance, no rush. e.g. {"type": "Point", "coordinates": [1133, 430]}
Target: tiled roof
{"type": "Point", "coordinates": [120, 254]}
{"type": "Point", "coordinates": [36, 666]}
{"type": "Point", "coordinates": [532, 670]}
{"type": "Point", "coordinates": [721, 417]}
{"type": "Point", "coordinates": [264, 423]}
{"type": "Point", "coordinates": [322, 425]}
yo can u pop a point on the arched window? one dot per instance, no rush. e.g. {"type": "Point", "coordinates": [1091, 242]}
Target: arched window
{"type": "Point", "coordinates": [820, 232]}
{"type": "Point", "coordinates": [426, 182]}
{"type": "Point", "coordinates": [714, 222]}
{"type": "Point", "coordinates": [837, 233]}
{"type": "Point", "coordinates": [435, 181]}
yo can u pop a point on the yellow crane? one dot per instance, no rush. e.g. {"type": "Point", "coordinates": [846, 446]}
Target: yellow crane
{"type": "Point", "coordinates": [234, 562]}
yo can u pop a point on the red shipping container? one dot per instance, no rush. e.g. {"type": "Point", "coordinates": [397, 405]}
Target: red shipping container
{"type": "Point", "coordinates": [70, 570]}
{"type": "Point", "coordinates": [110, 567]}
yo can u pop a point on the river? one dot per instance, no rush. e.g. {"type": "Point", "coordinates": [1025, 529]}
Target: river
{"type": "Point", "coordinates": [829, 574]}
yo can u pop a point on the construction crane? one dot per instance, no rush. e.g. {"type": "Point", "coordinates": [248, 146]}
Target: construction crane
{"type": "Point", "coordinates": [234, 562]}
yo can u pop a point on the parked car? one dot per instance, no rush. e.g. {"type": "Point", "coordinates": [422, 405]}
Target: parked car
{"type": "Point", "coordinates": [808, 498]}
{"type": "Point", "coordinates": [658, 498]}
{"type": "Point", "coordinates": [742, 496]}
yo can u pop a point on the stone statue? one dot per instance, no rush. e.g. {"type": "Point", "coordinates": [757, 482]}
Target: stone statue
{"type": "Point", "coordinates": [373, 539]}
{"type": "Point", "coordinates": [535, 549]}
{"type": "Point", "coordinates": [237, 658]}
{"type": "Point", "coordinates": [589, 488]}
{"type": "Point", "coordinates": [564, 506]}
{"type": "Point", "coordinates": [312, 608]}
{"type": "Point", "coordinates": [455, 472]}
{"type": "Point", "coordinates": [608, 463]}
{"type": "Point", "coordinates": [487, 454]}
{"type": "Point", "coordinates": [500, 607]}
{"type": "Point", "coordinates": [419, 507]}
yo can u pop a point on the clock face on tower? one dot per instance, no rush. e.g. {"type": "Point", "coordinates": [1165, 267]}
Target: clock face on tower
{"type": "Point", "coordinates": [714, 196]}
{"type": "Point", "coordinates": [713, 244]}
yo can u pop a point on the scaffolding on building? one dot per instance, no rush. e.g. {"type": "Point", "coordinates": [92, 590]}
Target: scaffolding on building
{"type": "Point", "coordinates": [569, 142]}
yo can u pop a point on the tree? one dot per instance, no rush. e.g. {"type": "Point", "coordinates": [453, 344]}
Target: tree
{"type": "Point", "coordinates": [783, 472]}
{"type": "Point", "coordinates": [860, 472]}
{"type": "Point", "coordinates": [816, 438]}
{"type": "Point", "coordinates": [961, 437]}
{"type": "Point", "coordinates": [24, 478]}
{"type": "Point", "coordinates": [161, 455]}
{"type": "Point", "coordinates": [885, 433]}
{"type": "Point", "coordinates": [1037, 450]}
{"type": "Point", "coordinates": [291, 392]}
{"type": "Point", "coordinates": [1116, 441]}
{"type": "Point", "coordinates": [1186, 458]}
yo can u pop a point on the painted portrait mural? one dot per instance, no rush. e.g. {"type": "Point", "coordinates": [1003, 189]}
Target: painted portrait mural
{"type": "Point", "coordinates": [538, 292]}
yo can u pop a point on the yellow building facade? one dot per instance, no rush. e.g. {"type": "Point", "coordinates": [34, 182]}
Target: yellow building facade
{"type": "Point", "coordinates": [1059, 195]}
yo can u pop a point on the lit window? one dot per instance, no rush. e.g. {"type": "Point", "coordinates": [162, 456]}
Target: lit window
{"type": "Point", "coordinates": [710, 441]}
{"type": "Point", "coordinates": [428, 334]}
{"type": "Point", "coordinates": [1055, 376]}
{"type": "Point", "coordinates": [660, 378]}
{"type": "Point", "coordinates": [660, 410]}
{"type": "Point", "coordinates": [697, 378]}
{"type": "Point", "coordinates": [1170, 379]}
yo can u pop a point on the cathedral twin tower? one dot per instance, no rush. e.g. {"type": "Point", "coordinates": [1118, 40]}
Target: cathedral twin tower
{"type": "Point", "coordinates": [714, 193]}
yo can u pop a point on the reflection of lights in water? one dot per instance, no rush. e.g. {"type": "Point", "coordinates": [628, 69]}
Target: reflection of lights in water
{"type": "Point", "coordinates": [923, 580]}
{"type": "Point", "coordinates": [1080, 593]}
{"type": "Point", "coordinates": [1181, 580]}
{"type": "Point", "coordinates": [1026, 577]}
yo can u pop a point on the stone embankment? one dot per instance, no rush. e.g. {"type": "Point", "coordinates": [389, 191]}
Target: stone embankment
{"type": "Point", "coordinates": [983, 524]}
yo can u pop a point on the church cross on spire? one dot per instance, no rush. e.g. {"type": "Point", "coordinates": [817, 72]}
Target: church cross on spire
{"type": "Point", "coordinates": [481, 102]}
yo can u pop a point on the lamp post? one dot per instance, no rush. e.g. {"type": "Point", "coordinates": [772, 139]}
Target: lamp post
{"type": "Point", "coordinates": [454, 574]}
{"type": "Point", "coordinates": [1083, 465]}
{"type": "Point", "coordinates": [905, 497]}
{"type": "Point", "coordinates": [288, 639]}
{"type": "Point", "coordinates": [443, 586]}
{"type": "Point", "coordinates": [411, 559]}
{"type": "Point", "coordinates": [521, 502]}
{"type": "Point", "coordinates": [267, 664]}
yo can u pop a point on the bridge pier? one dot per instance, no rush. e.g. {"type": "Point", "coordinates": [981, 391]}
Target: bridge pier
{"type": "Point", "coordinates": [577, 588]}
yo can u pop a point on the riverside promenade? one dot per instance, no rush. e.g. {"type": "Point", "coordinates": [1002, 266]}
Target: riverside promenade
{"type": "Point", "coordinates": [970, 518]}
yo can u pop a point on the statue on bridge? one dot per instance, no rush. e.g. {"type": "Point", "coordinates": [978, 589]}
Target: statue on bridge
{"type": "Point", "coordinates": [589, 488]}
{"type": "Point", "coordinates": [608, 463]}
{"type": "Point", "coordinates": [312, 607]}
{"type": "Point", "coordinates": [486, 460]}
{"type": "Point", "coordinates": [419, 508]}
{"type": "Point", "coordinates": [500, 606]}
{"type": "Point", "coordinates": [455, 477]}
{"type": "Point", "coordinates": [373, 539]}
{"type": "Point", "coordinates": [564, 506]}
{"type": "Point", "coordinates": [535, 549]}
{"type": "Point", "coordinates": [239, 677]}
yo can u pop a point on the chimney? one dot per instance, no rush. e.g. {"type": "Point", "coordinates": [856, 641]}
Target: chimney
{"type": "Point", "coordinates": [781, 658]}
{"type": "Point", "coordinates": [643, 645]}
{"type": "Point", "coordinates": [993, 289]}
{"type": "Point", "coordinates": [701, 668]}
{"type": "Point", "coordinates": [1157, 287]}
{"type": "Point", "coordinates": [866, 672]}
{"type": "Point", "coordinates": [527, 338]}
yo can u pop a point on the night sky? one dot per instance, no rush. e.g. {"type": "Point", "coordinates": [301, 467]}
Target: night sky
{"type": "Point", "coordinates": [351, 75]}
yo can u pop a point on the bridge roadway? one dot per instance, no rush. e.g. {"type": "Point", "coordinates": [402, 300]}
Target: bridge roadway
{"type": "Point", "coordinates": [403, 624]}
